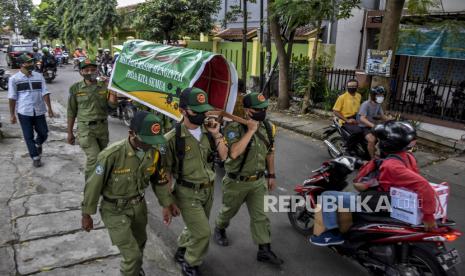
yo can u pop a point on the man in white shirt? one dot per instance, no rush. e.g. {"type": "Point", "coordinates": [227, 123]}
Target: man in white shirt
{"type": "Point", "coordinates": [28, 96]}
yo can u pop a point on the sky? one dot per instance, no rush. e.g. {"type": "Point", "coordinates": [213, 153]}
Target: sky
{"type": "Point", "coordinates": [120, 2]}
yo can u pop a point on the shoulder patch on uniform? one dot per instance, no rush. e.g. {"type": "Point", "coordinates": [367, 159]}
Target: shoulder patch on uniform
{"type": "Point", "coordinates": [99, 169]}
{"type": "Point", "coordinates": [232, 134]}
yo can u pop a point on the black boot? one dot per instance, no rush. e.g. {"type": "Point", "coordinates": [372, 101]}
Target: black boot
{"type": "Point", "coordinates": [141, 272]}
{"type": "Point", "coordinates": [179, 255]}
{"type": "Point", "coordinates": [220, 237]}
{"type": "Point", "coordinates": [188, 270]}
{"type": "Point", "coordinates": [266, 255]}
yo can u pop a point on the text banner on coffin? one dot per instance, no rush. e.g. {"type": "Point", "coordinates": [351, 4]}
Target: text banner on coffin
{"type": "Point", "coordinates": [155, 74]}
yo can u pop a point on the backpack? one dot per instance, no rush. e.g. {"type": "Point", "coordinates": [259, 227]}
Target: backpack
{"type": "Point", "coordinates": [180, 149]}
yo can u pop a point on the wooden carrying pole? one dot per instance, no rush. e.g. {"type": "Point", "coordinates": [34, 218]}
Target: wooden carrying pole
{"type": "Point", "coordinates": [224, 114]}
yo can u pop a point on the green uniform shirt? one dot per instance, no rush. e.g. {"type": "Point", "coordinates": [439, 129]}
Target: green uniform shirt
{"type": "Point", "coordinates": [256, 159]}
{"type": "Point", "coordinates": [119, 173]}
{"type": "Point", "coordinates": [88, 102]}
{"type": "Point", "coordinates": [196, 168]}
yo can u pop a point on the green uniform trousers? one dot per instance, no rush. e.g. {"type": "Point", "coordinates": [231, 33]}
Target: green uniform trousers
{"type": "Point", "coordinates": [195, 205]}
{"type": "Point", "coordinates": [92, 139]}
{"type": "Point", "coordinates": [127, 229]}
{"type": "Point", "coordinates": [235, 193]}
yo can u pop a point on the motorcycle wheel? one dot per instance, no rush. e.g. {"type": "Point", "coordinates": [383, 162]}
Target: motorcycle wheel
{"type": "Point", "coordinates": [302, 220]}
{"type": "Point", "coordinates": [339, 143]}
{"type": "Point", "coordinates": [4, 84]}
{"type": "Point", "coordinates": [423, 258]}
{"type": "Point", "coordinates": [128, 113]}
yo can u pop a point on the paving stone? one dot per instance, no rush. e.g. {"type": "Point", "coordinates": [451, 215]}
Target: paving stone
{"type": "Point", "coordinates": [53, 224]}
{"type": "Point", "coordinates": [100, 267]}
{"type": "Point", "coordinates": [60, 251]}
{"type": "Point", "coordinates": [45, 203]}
{"type": "Point", "coordinates": [7, 261]}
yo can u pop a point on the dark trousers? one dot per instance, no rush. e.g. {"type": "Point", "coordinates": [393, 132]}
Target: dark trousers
{"type": "Point", "coordinates": [356, 134]}
{"type": "Point", "coordinates": [29, 124]}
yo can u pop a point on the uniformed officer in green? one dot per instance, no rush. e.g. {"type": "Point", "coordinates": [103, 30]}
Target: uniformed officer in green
{"type": "Point", "coordinates": [189, 159]}
{"type": "Point", "coordinates": [250, 172]}
{"type": "Point", "coordinates": [121, 175]}
{"type": "Point", "coordinates": [89, 101]}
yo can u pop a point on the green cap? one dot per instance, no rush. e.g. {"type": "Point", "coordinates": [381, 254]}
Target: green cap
{"type": "Point", "coordinates": [195, 99]}
{"type": "Point", "coordinates": [25, 58]}
{"type": "Point", "coordinates": [255, 100]}
{"type": "Point", "coordinates": [148, 128]}
{"type": "Point", "coordinates": [87, 62]}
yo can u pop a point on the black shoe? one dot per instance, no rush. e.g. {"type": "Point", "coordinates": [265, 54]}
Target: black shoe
{"type": "Point", "coordinates": [141, 272]}
{"type": "Point", "coordinates": [220, 237]}
{"type": "Point", "coordinates": [179, 255]}
{"type": "Point", "coordinates": [39, 149]}
{"type": "Point", "coordinates": [188, 270]}
{"type": "Point", "coordinates": [267, 256]}
{"type": "Point", "coordinates": [36, 163]}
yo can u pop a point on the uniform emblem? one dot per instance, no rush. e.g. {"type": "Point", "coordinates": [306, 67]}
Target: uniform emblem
{"type": "Point", "coordinates": [162, 149]}
{"type": "Point", "coordinates": [231, 135]}
{"type": "Point", "coordinates": [156, 128]}
{"type": "Point", "coordinates": [201, 98]}
{"type": "Point", "coordinates": [261, 98]}
{"type": "Point", "coordinates": [99, 170]}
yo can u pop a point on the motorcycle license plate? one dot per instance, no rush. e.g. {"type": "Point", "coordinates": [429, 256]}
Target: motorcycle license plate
{"type": "Point", "coordinates": [449, 259]}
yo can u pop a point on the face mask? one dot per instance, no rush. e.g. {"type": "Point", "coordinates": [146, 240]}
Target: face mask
{"type": "Point", "coordinates": [259, 116]}
{"type": "Point", "coordinates": [197, 119]}
{"type": "Point", "coordinates": [379, 99]}
{"type": "Point", "coordinates": [90, 77]}
{"type": "Point", "coordinates": [352, 90]}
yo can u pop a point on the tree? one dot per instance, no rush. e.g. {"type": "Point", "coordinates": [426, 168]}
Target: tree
{"type": "Point", "coordinates": [162, 20]}
{"type": "Point", "coordinates": [390, 30]}
{"type": "Point", "coordinates": [45, 19]}
{"type": "Point", "coordinates": [288, 15]}
{"type": "Point", "coordinates": [17, 15]}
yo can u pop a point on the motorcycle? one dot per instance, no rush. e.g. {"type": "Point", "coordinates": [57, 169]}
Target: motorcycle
{"type": "Point", "coordinates": [65, 57]}
{"type": "Point", "coordinates": [77, 61]}
{"type": "Point", "coordinates": [59, 59]}
{"type": "Point", "coordinates": [337, 144]}
{"type": "Point", "coordinates": [383, 245]}
{"type": "Point", "coordinates": [105, 69]}
{"type": "Point", "coordinates": [4, 79]}
{"type": "Point", "coordinates": [125, 110]}
{"type": "Point", "coordinates": [50, 73]}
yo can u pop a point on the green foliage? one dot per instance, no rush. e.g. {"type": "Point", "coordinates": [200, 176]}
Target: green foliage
{"type": "Point", "coordinates": [17, 16]}
{"type": "Point", "coordinates": [168, 20]}
{"type": "Point", "coordinates": [421, 7]}
{"type": "Point", "coordinates": [45, 20]}
{"type": "Point", "coordinates": [234, 12]}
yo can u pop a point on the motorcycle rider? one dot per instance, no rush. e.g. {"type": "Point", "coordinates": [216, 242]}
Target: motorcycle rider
{"type": "Point", "coordinates": [36, 55]}
{"type": "Point", "coordinates": [99, 56]}
{"type": "Point", "coordinates": [79, 53]}
{"type": "Point", "coordinates": [106, 59]}
{"type": "Point", "coordinates": [370, 112]}
{"type": "Point", "coordinates": [398, 169]}
{"type": "Point", "coordinates": [48, 60]}
{"type": "Point", "coordinates": [346, 109]}
{"type": "Point", "coordinates": [58, 53]}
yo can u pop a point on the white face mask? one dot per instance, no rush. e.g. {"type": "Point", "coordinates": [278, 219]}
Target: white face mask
{"type": "Point", "coordinates": [379, 99]}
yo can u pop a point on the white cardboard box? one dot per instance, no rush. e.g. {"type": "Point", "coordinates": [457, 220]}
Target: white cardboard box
{"type": "Point", "coordinates": [406, 205]}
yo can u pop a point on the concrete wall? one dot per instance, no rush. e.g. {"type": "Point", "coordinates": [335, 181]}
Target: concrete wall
{"type": "Point", "coordinates": [451, 6]}
{"type": "Point", "coordinates": [348, 40]}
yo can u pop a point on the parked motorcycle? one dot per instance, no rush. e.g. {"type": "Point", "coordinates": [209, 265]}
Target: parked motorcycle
{"type": "Point", "coordinates": [337, 144]}
{"type": "Point", "coordinates": [125, 110]}
{"type": "Point", "coordinates": [383, 245]}
{"type": "Point", "coordinates": [4, 79]}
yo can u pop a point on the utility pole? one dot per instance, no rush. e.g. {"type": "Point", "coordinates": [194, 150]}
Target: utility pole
{"type": "Point", "coordinates": [267, 87]}
{"type": "Point", "coordinates": [262, 27]}
{"type": "Point", "coordinates": [244, 45]}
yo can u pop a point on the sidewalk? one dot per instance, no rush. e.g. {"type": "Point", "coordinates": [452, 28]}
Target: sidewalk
{"type": "Point", "coordinates": [40, 214]}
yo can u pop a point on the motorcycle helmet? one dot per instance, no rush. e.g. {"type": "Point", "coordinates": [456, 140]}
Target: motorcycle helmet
{"type": "Point", "coordinates": [395, 136]}
{"type": "Point", "coordinates": [45, 50]}
{"type": "Point", "coordinates": [35, 49]}
{"type": "Point", "coordinates": [57, 46]}
{"type": "Point", "coordinates": [378, 90]}
{"type": "Point", "coordinates": [106, 51]}
{"type": "Point", "coordinates": [100, 50]}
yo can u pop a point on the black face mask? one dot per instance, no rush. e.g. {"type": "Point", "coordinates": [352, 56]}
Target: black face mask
{"type": "Point", "coordinates": [30, 68]}
{"type": "Point", "coordinates": [90, 77]}
{"type": "Point", "coordinates": [197, 119]}
{"type": "Point", "coordinates": [259, 116]}
{"type": "Point", "coordinates": [352, 90]}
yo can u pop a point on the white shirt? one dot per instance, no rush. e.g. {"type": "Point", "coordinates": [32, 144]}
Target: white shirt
{"type": "Point", "coordinates": [29, 92]}
{"type": "Point", "coordinates": [196, 133]}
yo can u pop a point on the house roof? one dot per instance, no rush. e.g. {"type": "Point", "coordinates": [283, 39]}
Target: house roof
{"type": "Point", "coordinates": [302, 33]}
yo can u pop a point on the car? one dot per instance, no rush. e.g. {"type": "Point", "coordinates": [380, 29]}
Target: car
{"type": "Point", "coordinates": [14, 51]}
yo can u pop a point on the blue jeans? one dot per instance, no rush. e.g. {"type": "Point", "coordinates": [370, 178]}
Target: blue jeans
{"type": "Point", "coordinates": [28, 125]}
{"type": "Point", "coordinates": [330, 217]}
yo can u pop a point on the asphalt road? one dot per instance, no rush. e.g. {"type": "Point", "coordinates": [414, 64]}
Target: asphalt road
{"type": "Point", "coordinates": [296, 156]}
